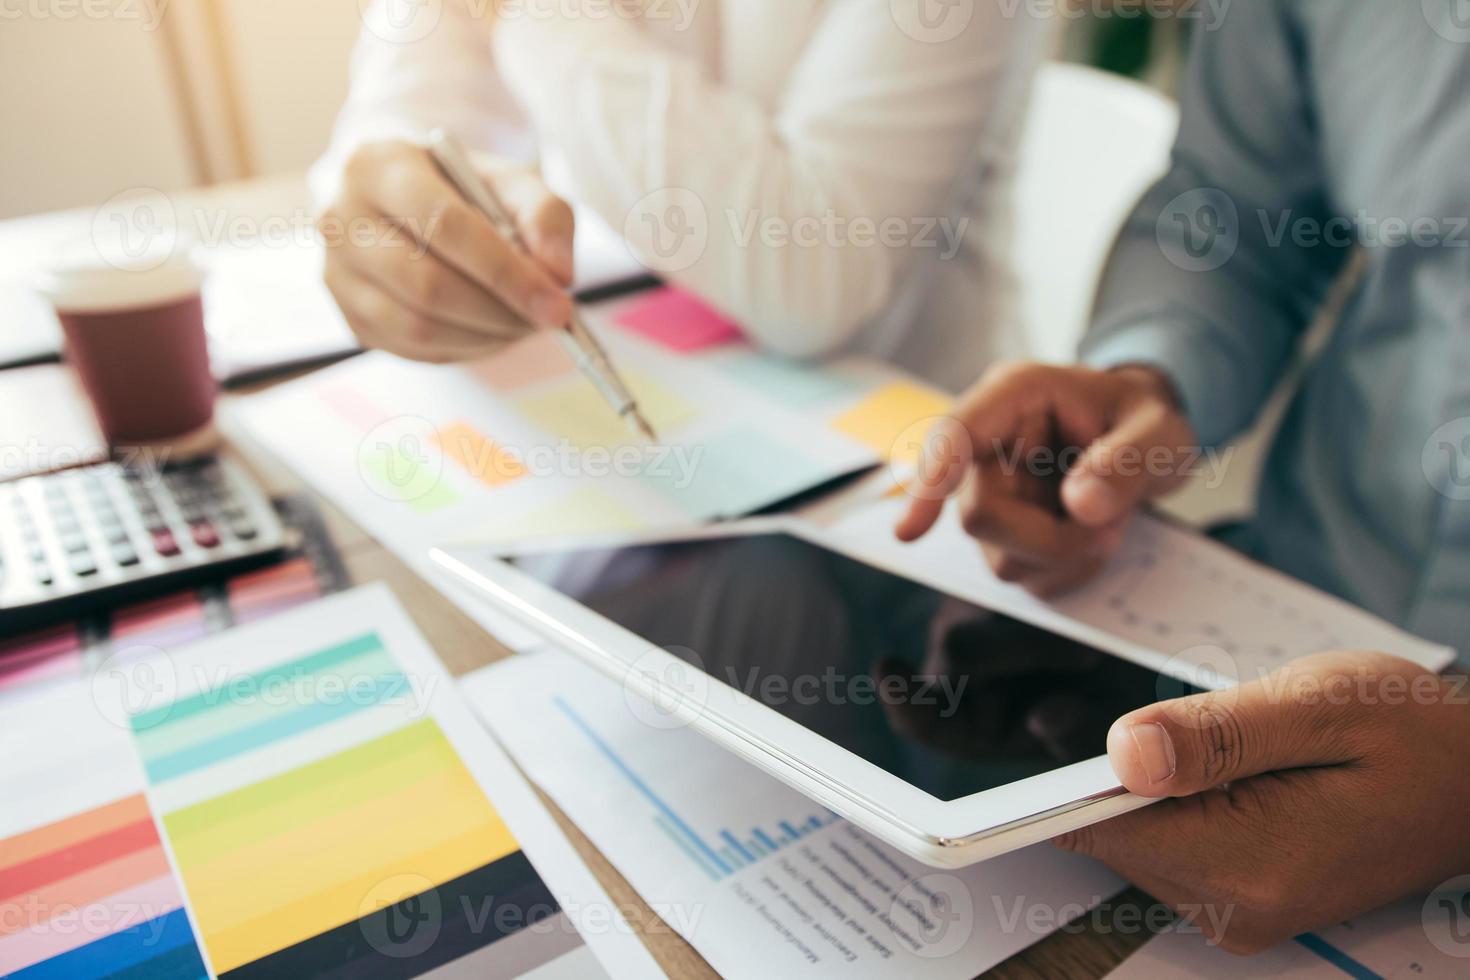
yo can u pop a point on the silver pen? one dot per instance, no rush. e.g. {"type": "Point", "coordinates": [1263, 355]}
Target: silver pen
{"type": "Point", "coordinates": [588, 354]}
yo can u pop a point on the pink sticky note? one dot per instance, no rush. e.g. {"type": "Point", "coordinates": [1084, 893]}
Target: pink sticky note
{"type": "Point", "coordinates": [679, 321]}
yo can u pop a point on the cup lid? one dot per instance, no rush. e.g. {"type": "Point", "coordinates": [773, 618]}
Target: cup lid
{"type": "Point", "coordinates": [86, 277]}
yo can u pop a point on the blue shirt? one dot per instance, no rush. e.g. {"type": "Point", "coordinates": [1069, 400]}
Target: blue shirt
{"type": "Point", "coordinates": [1313, 130]}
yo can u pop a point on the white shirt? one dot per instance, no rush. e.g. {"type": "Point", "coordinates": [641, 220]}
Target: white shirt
{"type": "Point", "coordinates": [832, 174]}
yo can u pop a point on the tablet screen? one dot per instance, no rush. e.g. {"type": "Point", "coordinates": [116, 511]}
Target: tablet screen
{"type": "Point", "coordinates": [952, 698]}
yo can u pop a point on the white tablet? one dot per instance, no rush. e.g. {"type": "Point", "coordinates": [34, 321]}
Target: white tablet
{"type": "Point", "coordinates": [950, 731]}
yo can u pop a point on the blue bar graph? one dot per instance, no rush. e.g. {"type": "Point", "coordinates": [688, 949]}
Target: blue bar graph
{"type": "Point", "coordinates": [729, 852]}
{"type": "Point", "coordinates": [1337, 957]}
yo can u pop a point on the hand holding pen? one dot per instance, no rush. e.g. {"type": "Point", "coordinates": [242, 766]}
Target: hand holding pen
{"type": "Point", "coordinates": [574, 335]}
{"type": "Point", "coordinates": [418, 271]}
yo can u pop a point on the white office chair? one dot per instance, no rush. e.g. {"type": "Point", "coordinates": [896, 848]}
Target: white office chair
{"type": "Point", "coordinates": [1092, 144]}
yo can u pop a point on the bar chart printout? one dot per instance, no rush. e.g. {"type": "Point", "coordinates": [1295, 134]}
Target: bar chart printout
{"type": "Point", "coordinates": [726, 850]}
{"type": "Point", "coordinates": [759, 878]}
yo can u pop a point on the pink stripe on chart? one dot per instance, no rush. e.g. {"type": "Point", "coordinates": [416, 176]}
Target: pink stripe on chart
{"type": "Point", "coordinates": [69, 929]}
{"type": "Point", "coordinates": [53, 656]}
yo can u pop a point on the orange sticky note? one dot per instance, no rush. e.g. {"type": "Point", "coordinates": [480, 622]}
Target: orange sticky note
{"type": "Point", "coordinates": [478, 456]}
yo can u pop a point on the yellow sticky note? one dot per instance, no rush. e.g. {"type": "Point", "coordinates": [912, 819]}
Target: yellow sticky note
{"type": "Point", "coordinates": [579, 413]}
{"type": "Point", "coordinates": [888, 413]}
{"type": "Point", "coordinates": [478, 456]}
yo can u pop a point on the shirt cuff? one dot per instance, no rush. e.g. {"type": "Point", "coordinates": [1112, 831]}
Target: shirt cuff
{"type": "Point", "coordinates": [1184, 355]}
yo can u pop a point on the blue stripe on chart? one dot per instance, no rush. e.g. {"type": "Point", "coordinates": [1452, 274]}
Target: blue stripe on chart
{"type": "Point", "coordinates": [760, 835]}
{"type": "Point", "coordinates": [684, 845]}
{"type": "Point", "coordinates": [1337, 957]}
{"type": "Point", "coordinates": [738, 847]}
{"type": "Point", "coordinates": [284, 726]}
{"type": "Point", "coordinates": [786, 826]}
{"type": "Point", "coordinates": [238, 687]}
{"type": "Point", "coordinates": [642, 787]}
{"type": "Point", "coordinates": [139, 946]}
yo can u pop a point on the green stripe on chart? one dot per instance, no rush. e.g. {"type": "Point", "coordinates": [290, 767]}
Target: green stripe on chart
{"type": "Point", "coordinates": [215, 697]}
{"type": "Point", "coordinates": [348, 678]}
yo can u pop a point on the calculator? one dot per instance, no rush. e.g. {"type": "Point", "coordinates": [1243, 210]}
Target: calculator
{"type": "Point", "coordinates": [79, 540]}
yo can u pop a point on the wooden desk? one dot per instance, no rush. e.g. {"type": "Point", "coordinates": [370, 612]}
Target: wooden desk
{"type": "Point", "coordinates": [1085, 951]}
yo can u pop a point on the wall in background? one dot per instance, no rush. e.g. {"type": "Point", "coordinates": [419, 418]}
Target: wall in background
{"type": "Point", "coordinates": [87, 108]}
{"type": "Point", "coordinates": [210, 90]}
{"type": "Point", "coordinates": [219, 90]}
{"type": "Point", "coordinates": [290, 60]}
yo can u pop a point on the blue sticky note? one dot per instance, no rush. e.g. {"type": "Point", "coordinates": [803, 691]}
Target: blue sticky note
{"type": "Point", "coordinates": [736, 472]}
{"type": "Point", "coordinates": [788, 382]}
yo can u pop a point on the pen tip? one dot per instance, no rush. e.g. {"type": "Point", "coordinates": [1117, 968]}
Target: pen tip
{"type": "Point", "coordinates": [640, 424]}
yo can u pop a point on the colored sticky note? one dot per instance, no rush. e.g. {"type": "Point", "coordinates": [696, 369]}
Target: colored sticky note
{"type": "Point", "coordinates": [578, 412]}
{"type": "Point", "coordinates": [678, 320]}
{"type": "Point", "coordinates": [353, 406]}
{"type": "Point", "coordinates": [883, 418]}
{"type": "Point", "coordinates": [398, 477]}
{"type": "Point", "coordinates": [787, 382]}
{"type": "Point", "coordinates": [481, 458]}
{"type": "Point", "coordinates": [585, 510]}
{"type": "Point", "coordinates": [734, 473]}
{"type": "Point", "coordinates": [539, 357]}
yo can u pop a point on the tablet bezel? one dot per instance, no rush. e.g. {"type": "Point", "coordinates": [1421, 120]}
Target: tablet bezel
{"type": "Point", "coordinates": [949, 833]}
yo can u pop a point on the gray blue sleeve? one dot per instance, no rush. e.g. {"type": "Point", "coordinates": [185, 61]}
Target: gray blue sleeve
{"type": "Point", "coordinates": [1207, 281]}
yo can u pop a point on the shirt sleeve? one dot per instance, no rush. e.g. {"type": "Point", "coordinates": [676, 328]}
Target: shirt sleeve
{"type": "Point", "coordinates": [773, 211]}
{"type": "Point", "coordinates": [418, 66]}
{"type": "Point", "coordinates": [1218, 272]}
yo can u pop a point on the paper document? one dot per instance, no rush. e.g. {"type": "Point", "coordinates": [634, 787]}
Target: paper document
{"type": "Point", "coordinates": [1172, 599]}
{"type": "Point", "coordinates": [303, 796]}
{"type": "Point", "coordinates": [602, 258]}
{"type": "Point", "coordinates": [1417, 939]}
{"type": "Point", "coordinates": [266, 307]}
{"type": "Point", "coordinates": [759, 879]}
{"type": "Point", "coordinates": [31, 332]}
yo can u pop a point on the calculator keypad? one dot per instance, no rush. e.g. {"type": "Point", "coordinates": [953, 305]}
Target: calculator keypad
{"type": "Point", "coordinates": [85, 531]}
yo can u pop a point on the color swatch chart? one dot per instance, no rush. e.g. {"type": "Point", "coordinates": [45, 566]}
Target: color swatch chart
{"type": "Point", "coordinates": [86, 889]}
{"type": "Point", "coordinates": [320, 817]}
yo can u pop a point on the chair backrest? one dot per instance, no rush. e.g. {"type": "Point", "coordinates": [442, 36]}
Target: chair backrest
{"type": "Point", "coordinates": [1092, 144]}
